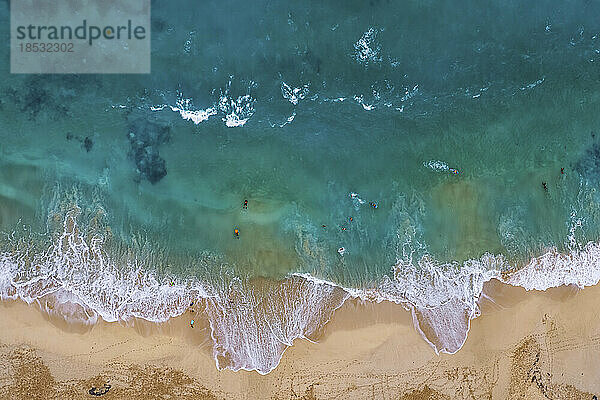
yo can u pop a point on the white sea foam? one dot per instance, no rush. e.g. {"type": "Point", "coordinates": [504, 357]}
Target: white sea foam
{"type": "Point", "coordinates": [65, 305]}
{"type": "Point", "coordinates": [360, 100]}
{"type": "Point", "coordinates": [196, 116]}
{"type": "Point", "coordinates": [293, 95]}
{"type": "Point", "coordinates": [185, 108]}
{"type": "Point", "coordinates": [579, 266]}
{"type": "Point", "coordinates": [533, 84]}
{"type": "Point", "coordinates": [250, 328]}
{"type": "Point", "coordinates": [234, 111]}
{"type": "Point", "coordinates": [80, 267]}
{"type": "Point", "coordinates": [253, 324]}
{"type": "Point", "coordinates": [367, 49]}
{"type": "Point", "coordinates": [440, 166]}
{"type": "Point", "coordinates": [237, 111]}
{"type": "Point", "coordinates": [442, 297]}
{"type": "Point", "coordinates": [410, 93]}
{"type": "Point", "coordinates": [356, 199]}
{"type": "Point", "coordinates": [187, 46]}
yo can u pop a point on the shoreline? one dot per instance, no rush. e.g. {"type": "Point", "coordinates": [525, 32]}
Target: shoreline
{"type": "Point", "coordinates": [366, 350]}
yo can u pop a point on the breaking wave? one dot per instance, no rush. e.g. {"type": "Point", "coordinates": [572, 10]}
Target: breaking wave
{"type": "Point", "coordinates": [252, 322]}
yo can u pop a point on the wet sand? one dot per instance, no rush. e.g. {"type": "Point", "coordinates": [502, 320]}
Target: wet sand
{"type": "Point", "coordinates": [525, 345]}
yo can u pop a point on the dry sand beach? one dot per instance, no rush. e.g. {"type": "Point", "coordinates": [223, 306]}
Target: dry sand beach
{"type": "Point", "coordinates": [525, 345]}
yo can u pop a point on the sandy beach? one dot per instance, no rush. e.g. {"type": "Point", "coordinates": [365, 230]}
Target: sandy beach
{"type": "Point", "coordinates": [525, 345]}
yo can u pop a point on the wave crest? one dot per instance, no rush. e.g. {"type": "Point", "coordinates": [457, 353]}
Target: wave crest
{"type": "Point", "coordinates": [252, 322]}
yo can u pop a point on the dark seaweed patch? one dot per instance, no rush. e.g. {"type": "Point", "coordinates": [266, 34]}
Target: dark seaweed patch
{"type": "Point", "coordinates": [158, 25]}
{"type": "Point", "coordinates": [588, 166]}
{"type": "Point", "coordinates": [30, 100]}
{"type": "Point", "coordinates": [313, 61]}
{"type": "Point", "coordinates": [49, 93]}
{"type": "Point", "coordinates": [88, 144]}
{"type": "Point", "coordinates": [145, 137]}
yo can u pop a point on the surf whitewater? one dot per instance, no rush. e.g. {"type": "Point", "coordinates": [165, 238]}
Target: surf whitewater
{"type": "Point", "coordinates": [252, 323]}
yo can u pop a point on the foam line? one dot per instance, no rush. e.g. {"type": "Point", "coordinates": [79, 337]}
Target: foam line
{"type": "Point", "coordinates": [251, 326]}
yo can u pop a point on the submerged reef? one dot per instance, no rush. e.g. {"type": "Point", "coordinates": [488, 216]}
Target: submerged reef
{"type": "Point", "coordinates": [145, 136]}
{"type": "Point", "coordinates": [158, 25]}
{"type": "Point", "coordinates": [588, 166]}
{"type": "Point", "coordinates": [51, 95]}
{"type": "Point", "coordinates": [86, 143]}
{"type": "Point", "coordinates": [31, 100]}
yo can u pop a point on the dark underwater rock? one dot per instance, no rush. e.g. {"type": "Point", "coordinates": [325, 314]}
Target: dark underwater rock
{"type": "Point", "coordinates": [49, 94]}
{"type": "Point", "coordinates": [158, 25]}
{"type": "Point", "coordinates": [30, 100]}
{"type": "Point", "coordinates": [88, 144]}
{"type": "Point", "coordinates": [588, 166]}
{"type": "Point", "coordinates": [151, 165]}
{"type": "Point", "coordinates": [145, 136]}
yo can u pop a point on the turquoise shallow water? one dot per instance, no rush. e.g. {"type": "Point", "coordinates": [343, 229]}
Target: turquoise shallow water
{"type": "Point", "coordinates": [474, 129]}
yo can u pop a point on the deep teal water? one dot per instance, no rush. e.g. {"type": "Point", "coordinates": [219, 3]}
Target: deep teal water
{"type": "Point", "coordinates": [506, 94]}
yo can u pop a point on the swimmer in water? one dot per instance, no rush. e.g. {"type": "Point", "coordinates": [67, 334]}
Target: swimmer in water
{"type": "Point", "coordinates": [236, 233]}
{"type": "Point", "coordinates": [373, 204]}
{"type": "Point", "coordinates": [245, 204]}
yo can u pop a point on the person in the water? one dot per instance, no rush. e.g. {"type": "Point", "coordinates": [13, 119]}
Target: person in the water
{"type": "Point", "coordinates": [236, 233]}
{"type": "Point", "coordinates": [245, 204]}
{"type": "Point", "coordinates": [373, 204]}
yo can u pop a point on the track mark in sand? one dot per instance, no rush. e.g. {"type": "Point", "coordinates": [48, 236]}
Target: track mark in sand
{"type": "Point", "coordinates": [144, 349]}
{"type": "Point", "coordinates": [435, 380]}
{"type": "Point", "coordinates": [90, 353]}
{"type": "Point", "coordinates": [309, 394]}
{"type": "Point", "coordinates": [527, 370]}
{"type": "Point", "coordinates": [531, 363]}
{"type": "Point", "coordinates": [473, 382]}
{"type": "Point", "coordinates": [557, 340]}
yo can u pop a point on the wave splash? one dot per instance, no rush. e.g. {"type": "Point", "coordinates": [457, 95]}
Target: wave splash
{"type": "Point", "coordinates": [252, 323]}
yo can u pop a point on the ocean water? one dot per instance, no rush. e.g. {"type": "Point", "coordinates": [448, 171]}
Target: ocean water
{"type": "Point", "coordinates": [406, 151]}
